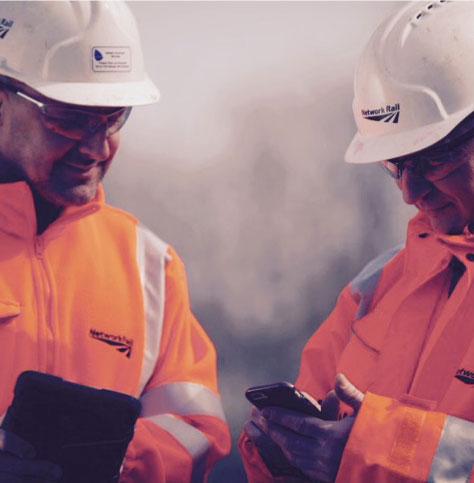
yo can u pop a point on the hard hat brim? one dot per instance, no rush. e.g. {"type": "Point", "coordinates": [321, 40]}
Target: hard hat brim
{"type": "Point", "coordinates": [106, 94]}
{"type": "Point", "coordinates": [370, 149]}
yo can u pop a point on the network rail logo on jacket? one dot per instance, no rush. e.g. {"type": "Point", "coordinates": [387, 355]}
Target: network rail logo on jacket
{"type": "Point", "coordinates": [465, 376]}
{"type": "Point", "coordinates": [120, 342]}
{"type": "Point", "coordinates": [389, 113]}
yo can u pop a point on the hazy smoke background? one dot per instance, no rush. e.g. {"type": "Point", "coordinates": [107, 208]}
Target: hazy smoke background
{"type": "Point", "coordinates": [240, 167]}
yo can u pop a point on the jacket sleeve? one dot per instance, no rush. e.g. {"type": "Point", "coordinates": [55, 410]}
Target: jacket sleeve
{"type": "Point", "coordinates": [414, 444]}
{"type": "Point", "coordinates": [182, 430]}
{"type": "Point", "coordinates": [317, 372]}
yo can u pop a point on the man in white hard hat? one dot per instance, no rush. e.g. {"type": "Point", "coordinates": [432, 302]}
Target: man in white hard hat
{"type": "Point", "coordinates": [86, 292]}
{"type": "Point", "coordinates": [394, 362]}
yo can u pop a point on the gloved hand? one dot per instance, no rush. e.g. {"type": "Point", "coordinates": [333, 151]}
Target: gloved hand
{"type": "Point", "coordinates": [311, 444]}
{"type": "Point", "coordinates": [272, 455]}
{"type": "Point", "coordinates": [18, 463]}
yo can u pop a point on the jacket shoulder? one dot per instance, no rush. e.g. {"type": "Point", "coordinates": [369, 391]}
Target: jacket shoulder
{"type": "Point", "coordinates": [363, 286]}
{"type": "Point", "coordinates": [151, 243]}
{"type": "Point", "coordinates": [147, 241]}
{"type": "Point", "coordinates": [112, 213]}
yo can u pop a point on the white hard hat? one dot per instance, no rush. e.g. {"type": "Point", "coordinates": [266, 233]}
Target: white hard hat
{"type": "Point", "coordinates": [78, 52]}
{"type": "Point", "coordinates": [415, 80]}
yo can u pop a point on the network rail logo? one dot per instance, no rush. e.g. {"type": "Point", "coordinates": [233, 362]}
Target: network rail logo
{"type": "Point", "coordinates": [389, 113]}
{"type": "Point", "coordinates": [465, 376]}
{"type": "Point", "coordinates": [120, 342]}
{"type": "Point", "coordinates": [5, 26]}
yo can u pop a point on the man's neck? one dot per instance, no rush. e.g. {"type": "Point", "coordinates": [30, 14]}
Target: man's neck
{"type": "Point", "coordinates": [46, 212]}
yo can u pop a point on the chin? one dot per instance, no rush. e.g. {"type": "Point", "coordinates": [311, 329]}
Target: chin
{"type": "Point", "coordinates": [70, 196]}
{"type": "Point", "coordinates": [80, 195]}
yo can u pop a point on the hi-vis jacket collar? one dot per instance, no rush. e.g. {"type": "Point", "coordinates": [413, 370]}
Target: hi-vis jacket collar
{"type": "Point", "coordinates": [18, 217]}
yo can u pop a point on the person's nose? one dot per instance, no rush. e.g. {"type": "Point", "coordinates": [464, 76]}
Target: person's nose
{"type": "Point", "coordinates": [413, 187]}
{"type": "Point", "coordinates": [96, 146]}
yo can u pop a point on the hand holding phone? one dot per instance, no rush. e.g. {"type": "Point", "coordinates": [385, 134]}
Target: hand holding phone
{"type": "Point", "coordinates": [284, 395]}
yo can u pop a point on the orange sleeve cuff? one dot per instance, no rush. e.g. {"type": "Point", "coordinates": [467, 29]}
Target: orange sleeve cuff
{"type": "Point", "coordinates": [390, 440]}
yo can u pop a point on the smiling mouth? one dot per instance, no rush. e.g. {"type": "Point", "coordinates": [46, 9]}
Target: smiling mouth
{"type": "Point", "coordinates": [80, 166]}
{"type": "Point", "coordinates": [73, 170]}
{"type": "Point", "coordinates": [435, 210]}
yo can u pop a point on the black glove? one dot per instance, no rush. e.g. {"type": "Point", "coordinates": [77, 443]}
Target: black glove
{"type": "Point", "coordinates": [18, 463]}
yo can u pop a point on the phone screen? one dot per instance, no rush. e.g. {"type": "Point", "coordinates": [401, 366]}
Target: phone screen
{"type": "Point", "coordinates": [282, 394]}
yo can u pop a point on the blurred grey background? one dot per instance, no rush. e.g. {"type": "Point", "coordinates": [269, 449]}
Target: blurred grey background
{"type": "Point", "coordinates": [240, 167]}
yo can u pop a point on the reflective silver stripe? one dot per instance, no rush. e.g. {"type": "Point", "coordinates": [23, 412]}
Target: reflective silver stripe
{"type": "Point", "coordinates": [191, 438]}
{"type": "Point", "coordinates": [454, 457]}
{"type": "Point", "coordinates": [182, 398]}
{"type": "Point", "coordinates": [151, 259]}
{"type": "Point", "coordinates": [365, 283]}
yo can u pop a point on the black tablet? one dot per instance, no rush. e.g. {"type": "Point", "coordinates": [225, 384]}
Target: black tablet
{"type": "Point", "coordinates": [84, 430]}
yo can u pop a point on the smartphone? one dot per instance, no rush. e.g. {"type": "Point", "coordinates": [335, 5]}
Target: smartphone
{"type": "Point", "coordinates": [284, 395]}
{"type": "Point", "coordinates": [84, 430]}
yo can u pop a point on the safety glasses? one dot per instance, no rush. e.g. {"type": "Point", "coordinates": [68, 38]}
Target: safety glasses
{"type": "Point", "coordinates": [75, 123]}
{"type": "Point", "coordinates": [433, 163]}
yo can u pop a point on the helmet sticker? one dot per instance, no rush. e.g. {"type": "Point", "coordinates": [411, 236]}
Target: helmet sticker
{"type": "Point", "coordinates": [111, 59]}
{"type": "Point", "coordinates": [389, 113]}
{"type": "Point", "coordinates": [5, 26]}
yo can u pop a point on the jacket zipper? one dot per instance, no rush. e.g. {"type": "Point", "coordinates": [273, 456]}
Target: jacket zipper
{"type": "Point", "coordinates": [45, 293]}
{"type": "Point", "coordinates": [48, 358]}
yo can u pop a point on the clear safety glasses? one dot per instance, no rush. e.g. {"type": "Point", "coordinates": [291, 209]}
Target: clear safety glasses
{"type": "Point", "coordinates": [433, 163]}
{"type": "Point", "coordinates": [75, 123]}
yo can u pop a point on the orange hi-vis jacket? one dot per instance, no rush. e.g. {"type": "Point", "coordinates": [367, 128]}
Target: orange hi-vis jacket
{"type": "Point", "coordinates": [409, 347]}
{"type": "Point", "coordinates": [99, 300]}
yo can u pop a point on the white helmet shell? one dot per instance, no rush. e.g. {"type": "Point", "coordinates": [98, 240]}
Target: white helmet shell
{"type": "Point", "coordinates": [414, 82]}
{"type": "Point", "coordinates": [79, 52]}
